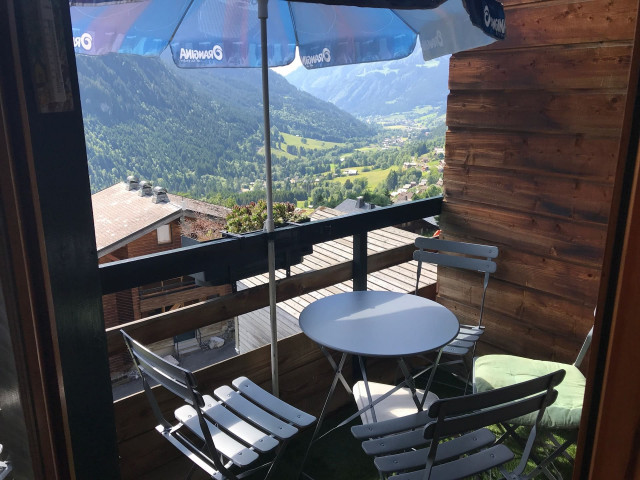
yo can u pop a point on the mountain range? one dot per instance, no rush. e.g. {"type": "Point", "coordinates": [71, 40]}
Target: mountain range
{"type": "Point", "coordinates": [380, 88]}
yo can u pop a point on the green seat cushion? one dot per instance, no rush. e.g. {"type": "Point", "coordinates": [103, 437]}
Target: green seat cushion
{"type": "Point", "coordinates": [496, 371]}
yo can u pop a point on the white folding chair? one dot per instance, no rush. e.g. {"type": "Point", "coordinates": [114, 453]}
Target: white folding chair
{"type": "Point", "coordinates": [5, 465]}
{"type": "Point", "coordinates": [450, 254]}
{"type": "Point", "coordinates": [450, 440]}
{"type": "Point", "coordinates": [467, 256]}
{"type": "Point", "coordinates": [240, 425]}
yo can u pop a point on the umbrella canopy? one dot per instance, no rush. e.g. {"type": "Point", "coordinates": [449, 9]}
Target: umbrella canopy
{"type": "Point", "coordinates": [262, 33]}
{"type": "Point", "coordinates": [226, 33]}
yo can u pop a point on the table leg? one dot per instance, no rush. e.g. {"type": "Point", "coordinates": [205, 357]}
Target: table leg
{"type": "Point", "coordinates": [431, 377]}
{"type": "Point", "coordinates": [408, 378]}
{"type": "Point", "coordinates": [338, 375]}
{"type": "Point", "coordinates": [366, 387]}
{"type": "Point", "coordinates": [345, 384]}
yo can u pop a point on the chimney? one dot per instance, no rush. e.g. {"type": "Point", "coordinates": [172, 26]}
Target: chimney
{"type": "Point", "coordinates": [359, 202]}
{"type": "Point", "coordinates": [159, 195]}
{"type": "Point", "coordinates": [132, 183]}
{"type": "Point", "coordinates": [145, 188]}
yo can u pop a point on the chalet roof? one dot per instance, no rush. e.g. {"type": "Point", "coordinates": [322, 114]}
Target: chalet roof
{"type": "Point", "coordinates": [121, 216]}
{"type": "Point", "coordinates": [399, 278]}
{"type": "Point", "coordinates": [191, 206]}
{"type": "Point", "coordinates": [350, 206]}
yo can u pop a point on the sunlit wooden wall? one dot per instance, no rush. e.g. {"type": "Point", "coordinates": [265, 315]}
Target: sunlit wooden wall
{"type": "Point", "coordinates": [534, 125]}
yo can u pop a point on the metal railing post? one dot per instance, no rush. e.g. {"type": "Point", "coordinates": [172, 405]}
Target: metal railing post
{"type": "Point", "coordinates": [360, 261]}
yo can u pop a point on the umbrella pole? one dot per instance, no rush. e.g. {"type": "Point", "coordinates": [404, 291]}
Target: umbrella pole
{"type": "Point", "coordinates": [269, 224]}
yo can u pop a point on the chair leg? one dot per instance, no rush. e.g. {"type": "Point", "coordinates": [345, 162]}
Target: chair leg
{"type": "Point", "coordinates": [277, 458]}
{"type": "Point", "coordinates": [191, 470]}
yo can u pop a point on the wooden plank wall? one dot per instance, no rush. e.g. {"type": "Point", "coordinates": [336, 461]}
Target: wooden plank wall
{"type": "Point", "coordinates": [534, 125]}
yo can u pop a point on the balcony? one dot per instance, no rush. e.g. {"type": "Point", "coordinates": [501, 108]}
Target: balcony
{"type": "Point", "coordinates": [540, 159]}
{"type": "Point", "coordinates": [304, 374]}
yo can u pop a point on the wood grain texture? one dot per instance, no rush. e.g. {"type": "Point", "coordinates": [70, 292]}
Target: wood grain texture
{"type": "Point", "coordinates": [531, 154]}
{"type": "Point", "coordinates": [598, 114]}
{"type": "Point", "coordinates": [562, 67]}
{"type": "Point", "coordinates": [570, 156]}
{"type": "Point", "coordinates": [579, 243]}
{"type": "Point", "coordinates": [539, 193]}
{"type": "Point", "coordinates": [550, 23]}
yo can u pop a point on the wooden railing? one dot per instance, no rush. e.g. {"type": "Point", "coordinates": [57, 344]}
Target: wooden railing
{"type": "Point", "coordinates": [303, 371]}
{"type": "Point", "coordinates": [219, 255]}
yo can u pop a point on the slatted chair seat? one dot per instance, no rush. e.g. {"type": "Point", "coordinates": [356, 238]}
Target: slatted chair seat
{"type": "Point", "coordinates": [5, 465]}
{"type": "Point", "coordinates": [235, 451]}
{"type": "Point", "coordinates": [464, 467]}
{"type": "Point", "coordinates": [450, 440]}
{"type": "Point", "coordinates": [238, 425]}
{"type": "Point", "coordinates": [227, 420]}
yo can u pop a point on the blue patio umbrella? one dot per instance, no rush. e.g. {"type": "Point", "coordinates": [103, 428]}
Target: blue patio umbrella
{"type": "Point", "coordinates": [263, 33]}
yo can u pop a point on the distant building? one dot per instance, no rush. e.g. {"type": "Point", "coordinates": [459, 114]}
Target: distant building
{"type": "Point", "coordinates": [403, 197]}
{"type": "Point", "coordinates": [133, 219]}
{"type": "Point", "coordinates": [438, 150]}
{"type": "Point", "coordinates": [350, 205]}
{"type": "Point", "coordinates": [351, 172]}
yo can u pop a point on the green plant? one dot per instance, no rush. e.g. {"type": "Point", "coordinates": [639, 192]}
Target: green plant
{"type": "Point", "coordinates": [201, 227]}
{"type": "Point", "coordinates": [251, 217]}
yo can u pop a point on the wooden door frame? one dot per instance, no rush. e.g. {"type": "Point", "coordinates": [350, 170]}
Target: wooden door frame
{"type": "Point", "coordinates": [609, 439]}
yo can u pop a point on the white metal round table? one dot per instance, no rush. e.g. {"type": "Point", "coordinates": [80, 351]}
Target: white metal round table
{"type": "Point", "coordinates": [379, 324]}
{"type": "Point", "coordinates": [376, 324]}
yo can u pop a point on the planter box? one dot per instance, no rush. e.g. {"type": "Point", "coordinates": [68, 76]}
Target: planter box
{"type": "Point", "coordinates": [245, 264]}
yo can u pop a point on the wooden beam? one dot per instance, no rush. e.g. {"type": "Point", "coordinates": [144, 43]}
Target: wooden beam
{"type": "Point", "coordinates": [608, 440]}
{"type": "Point", "coordinates": [571, 112]}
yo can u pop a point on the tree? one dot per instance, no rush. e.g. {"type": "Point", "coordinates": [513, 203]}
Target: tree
{"type": "Point", "coordinates": [434, 191]}
{"type": "Point", "coordinates": [348, 185]}
{"type": "Point", "coordinates": [392, 180]}
{"type": "Point", "coordinates": [434, 176]}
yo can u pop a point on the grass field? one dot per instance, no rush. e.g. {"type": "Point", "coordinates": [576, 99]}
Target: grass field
{"type": "Point", "coordinates": [374, 177]}
{"type": "Point", "coordinates": [297, 142]}
{"type": "Point", "coordinates": [311, 143]}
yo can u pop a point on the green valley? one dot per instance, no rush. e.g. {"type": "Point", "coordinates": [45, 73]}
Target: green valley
{"type": "Point", "coordinates": [199, 133]}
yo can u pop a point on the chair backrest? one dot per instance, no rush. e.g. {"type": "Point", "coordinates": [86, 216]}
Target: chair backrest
{"type": "Point", "coordinates": [438, 252]}
{"type": "Point", "coordinates": [583, 350]}
{"type": "Point", "coordinates": [174, 378]}
{"type": "Point", "coordinates": [470, 412]}
{"type": "Point", "coordinates": [177, 380]}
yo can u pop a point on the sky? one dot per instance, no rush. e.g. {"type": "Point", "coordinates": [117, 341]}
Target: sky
{"type": "Point", "coordinates": [287, 69]}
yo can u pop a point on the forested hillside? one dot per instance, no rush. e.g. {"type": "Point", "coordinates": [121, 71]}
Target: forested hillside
{"type": "Point", "coordinates": [197, 131]}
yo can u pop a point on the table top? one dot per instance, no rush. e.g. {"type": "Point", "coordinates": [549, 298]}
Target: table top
{"type": "Point", "coordinates": [379, 324]}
